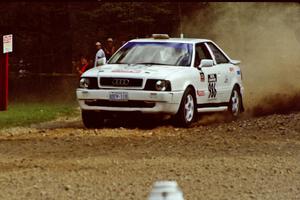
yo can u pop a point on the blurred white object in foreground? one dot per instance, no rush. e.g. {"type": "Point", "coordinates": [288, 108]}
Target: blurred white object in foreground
{"type": "Point", "coordinates": [166, 190]}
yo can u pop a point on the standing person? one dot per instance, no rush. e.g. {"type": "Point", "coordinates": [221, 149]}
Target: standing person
{"type": "Point", "coordinates": [100, 58]}
{"type": "Point", "coordinates": [110, 49]}
{"type": "Point", "coordinates": [84, 65]}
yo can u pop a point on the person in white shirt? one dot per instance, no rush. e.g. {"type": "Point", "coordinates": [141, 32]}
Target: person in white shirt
{"type": "Point", "coordinates": [100, 58]}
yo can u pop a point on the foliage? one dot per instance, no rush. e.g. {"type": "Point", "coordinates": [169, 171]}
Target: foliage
{"type": "Point", "coordinates": [50, 35]}
{"type": "Point", "coordinates": [22, 114]}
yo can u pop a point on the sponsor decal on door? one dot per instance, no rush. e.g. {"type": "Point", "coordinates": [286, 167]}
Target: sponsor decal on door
{"type": "Point", "coordinates": [212, 81]}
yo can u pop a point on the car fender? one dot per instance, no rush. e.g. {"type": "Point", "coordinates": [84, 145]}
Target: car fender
{"type": "Point", "coordinates": [181, 80]}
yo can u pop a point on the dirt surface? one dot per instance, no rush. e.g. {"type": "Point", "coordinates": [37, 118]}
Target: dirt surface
{"type": "Point", "coordinates": [252, 158]}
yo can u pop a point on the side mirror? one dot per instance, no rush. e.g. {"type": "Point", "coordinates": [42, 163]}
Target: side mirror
{"type": "Point", "coordinates": [206, 63]}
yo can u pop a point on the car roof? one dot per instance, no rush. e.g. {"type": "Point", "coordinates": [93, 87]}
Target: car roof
{"type": "Point", "coordinates": [179, 40]}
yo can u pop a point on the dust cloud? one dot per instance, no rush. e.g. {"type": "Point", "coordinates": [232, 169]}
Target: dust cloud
{"type": "Point", "coordinates": [266, 38]}
{"type": "Point", "coordinates": [276, 104]}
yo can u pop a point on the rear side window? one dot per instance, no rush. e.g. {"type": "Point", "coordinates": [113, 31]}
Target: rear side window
{"type": "Point", "coordinates": [219, 56]}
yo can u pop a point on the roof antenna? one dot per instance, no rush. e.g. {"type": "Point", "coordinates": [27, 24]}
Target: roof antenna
{"type": "Point", "coordinates": [180, 24]}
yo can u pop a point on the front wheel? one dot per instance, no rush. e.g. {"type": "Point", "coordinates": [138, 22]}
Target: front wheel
{"type": "Point", "coordinates": [187, 111]}
{"type": "Point", "coordinates": [235, 103]}
{"type": "Point", "coordinates": [92, 119]}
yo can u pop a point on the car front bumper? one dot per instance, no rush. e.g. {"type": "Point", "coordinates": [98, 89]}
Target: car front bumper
{"type": "Point", "coordinates": [138, 100]}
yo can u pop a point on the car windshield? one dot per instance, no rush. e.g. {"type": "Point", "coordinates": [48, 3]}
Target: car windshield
{"type": "Point", "coordinates": [154, 53]}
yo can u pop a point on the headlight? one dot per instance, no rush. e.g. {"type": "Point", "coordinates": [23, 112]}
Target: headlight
{"type": "Point", "coordinates": [157, 85]}
{"type": "Point", "coordinates": [161, 85]}
{"type": "Point", "coordinates": [84, 83]}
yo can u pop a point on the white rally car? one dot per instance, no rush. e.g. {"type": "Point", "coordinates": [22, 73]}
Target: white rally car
{"type": "Point", "coordinates": [174, 76]}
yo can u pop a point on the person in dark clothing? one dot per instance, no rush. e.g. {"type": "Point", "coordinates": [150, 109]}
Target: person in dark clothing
{"type": "Point", "coordinates": [84, 64]}
{"type": "Point", "coordinates": [110, 48]}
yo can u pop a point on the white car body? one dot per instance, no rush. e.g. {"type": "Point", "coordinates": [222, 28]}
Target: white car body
{"type": "Point", "coordinates": [211, 93]}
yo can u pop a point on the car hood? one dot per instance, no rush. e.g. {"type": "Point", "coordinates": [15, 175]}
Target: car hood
{"type": "Point", "coordinates": [133, 71]}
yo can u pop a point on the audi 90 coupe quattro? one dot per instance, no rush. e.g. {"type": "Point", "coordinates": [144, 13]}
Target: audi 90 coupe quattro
{"type": "Point", "coordinates": [174, 76]}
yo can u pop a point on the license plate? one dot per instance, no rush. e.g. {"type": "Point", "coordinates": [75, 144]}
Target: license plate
{"type": "Point", "coordinates": [118, 96]}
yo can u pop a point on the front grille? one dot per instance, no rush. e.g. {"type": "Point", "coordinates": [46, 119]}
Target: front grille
{"type": "Point", "coordinates": [121, 82]}
{"type": "Point", "coordinates": [93, 83]}
{"type": "Point", "coordinates": [129, 104]}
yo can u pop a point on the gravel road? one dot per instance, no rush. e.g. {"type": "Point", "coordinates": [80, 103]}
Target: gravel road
{"type": "Point", "coordinates": [251, 158]}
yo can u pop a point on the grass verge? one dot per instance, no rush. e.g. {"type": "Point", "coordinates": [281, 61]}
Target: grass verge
{"type": "Point", "coordinates": [24, 114]}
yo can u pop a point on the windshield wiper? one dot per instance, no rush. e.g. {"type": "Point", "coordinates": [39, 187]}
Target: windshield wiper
{"type": "Point", "coordinates": [148, 63]}
{"type": "Point", "coordinates": [119, 63]}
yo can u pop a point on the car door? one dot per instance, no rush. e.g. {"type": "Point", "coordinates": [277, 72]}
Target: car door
{"type": "Point", "coordinates": [207, 89]}
{"type": "Point", "coordinates": [223, 69]}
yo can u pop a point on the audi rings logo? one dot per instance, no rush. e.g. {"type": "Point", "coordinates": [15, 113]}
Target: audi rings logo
{"type": "Point", "coordinates": [120, 82]}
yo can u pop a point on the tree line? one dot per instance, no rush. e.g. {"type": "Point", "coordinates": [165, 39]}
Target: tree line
{"type": "Point", "coordinates": [49, 36]}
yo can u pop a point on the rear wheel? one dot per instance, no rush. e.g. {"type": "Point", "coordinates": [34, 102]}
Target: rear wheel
{"type": "Point", "coordinates": [92, 119]}
{"type": "Point", "coordinates": [235, 103]}
{"type": "Point", "coordinates": [187, 111]}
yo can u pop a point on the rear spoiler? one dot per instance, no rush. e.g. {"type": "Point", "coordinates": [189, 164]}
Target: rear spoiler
{"type": "Point", "coordinates": [235, 62]}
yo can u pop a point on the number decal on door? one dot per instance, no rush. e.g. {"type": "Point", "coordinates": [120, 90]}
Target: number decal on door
{"type": "Point", "coordinates": [212, 81]}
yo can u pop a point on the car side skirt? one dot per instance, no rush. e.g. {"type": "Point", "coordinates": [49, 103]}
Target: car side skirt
{"type": "Point", "coordinates": [212, 107]}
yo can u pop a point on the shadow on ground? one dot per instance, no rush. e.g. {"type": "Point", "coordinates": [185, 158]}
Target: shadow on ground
{"type": "Point", "coordinates": [136, 121]}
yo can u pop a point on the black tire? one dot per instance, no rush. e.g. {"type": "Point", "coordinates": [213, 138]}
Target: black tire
{"type": "Point", "coordinates": [92, 119]}
{"type": "Point", "coordinates": [235, 107]}
{"type": "Point", "coordinates": [183, 118]}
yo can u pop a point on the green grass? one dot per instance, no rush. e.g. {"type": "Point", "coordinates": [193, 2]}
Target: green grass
{"type": "Point", "coordinates": [24, 114]}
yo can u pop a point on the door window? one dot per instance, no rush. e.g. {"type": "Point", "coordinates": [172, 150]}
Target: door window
{"type": "Point", "coordinates": [219, 56]}
{"type": "Point", "coordinates": [201, 53]}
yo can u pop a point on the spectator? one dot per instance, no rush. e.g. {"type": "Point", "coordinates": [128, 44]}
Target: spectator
{"type": "Point", "coordinates": [100, 58]}
{"type": "Point", "coordinates": [23, 69]}
{"type": "Point", "coordinates": [110, 49]}
{"type": "Point", "coordinates": [84, 64]}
